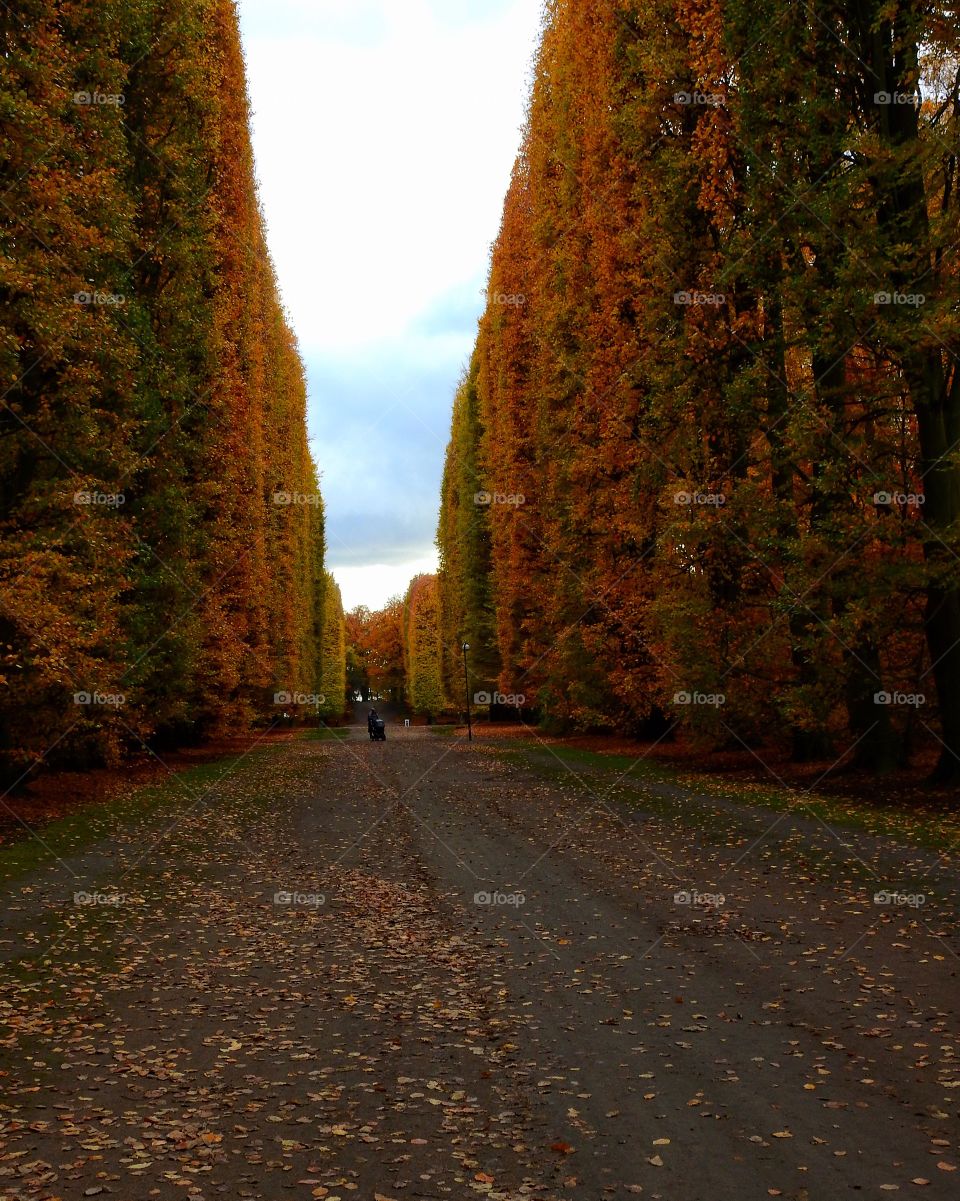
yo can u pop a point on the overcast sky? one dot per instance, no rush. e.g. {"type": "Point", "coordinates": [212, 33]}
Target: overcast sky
{"type": "Point", "coordinates": [384, 134]}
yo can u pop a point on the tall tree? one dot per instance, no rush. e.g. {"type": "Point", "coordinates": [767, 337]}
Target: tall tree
{"type": "Point", "coordinates": [333, 653]}
{"type": "Point", "coordinates": [463, 538]}
{"type": "Point", "coordinates": [422, 647]}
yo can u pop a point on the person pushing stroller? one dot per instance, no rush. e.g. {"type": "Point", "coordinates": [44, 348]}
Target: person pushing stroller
{"type": "Point", "coordinates": [376, 726]}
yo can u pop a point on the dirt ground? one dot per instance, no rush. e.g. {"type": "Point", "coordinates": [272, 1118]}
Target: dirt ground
{"type": "Point", "coordinates": [419, 969]}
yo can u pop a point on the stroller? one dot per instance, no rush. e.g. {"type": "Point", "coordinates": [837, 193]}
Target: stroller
{"type": "Point", "coordinates": [378, 729]}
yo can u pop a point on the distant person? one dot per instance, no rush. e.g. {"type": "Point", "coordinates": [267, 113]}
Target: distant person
{"type": "Point", "coordinates": [376, 726]}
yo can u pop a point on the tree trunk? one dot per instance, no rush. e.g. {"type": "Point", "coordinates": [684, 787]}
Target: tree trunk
{"type": "Point", "coordinates": [934, 384]}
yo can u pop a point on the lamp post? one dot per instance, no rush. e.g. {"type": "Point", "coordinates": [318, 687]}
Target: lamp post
{"type": "Point", "coordinates": [466, 684]}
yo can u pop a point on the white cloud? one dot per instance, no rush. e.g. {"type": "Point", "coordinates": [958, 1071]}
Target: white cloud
{"type": "Point", "coordinates": [374, 584]}
{"type": "Point", "coordinates": [383, 166]}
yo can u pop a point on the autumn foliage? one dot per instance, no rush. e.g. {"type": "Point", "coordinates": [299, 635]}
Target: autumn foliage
{"type": "Point", "coordinates": [375, 659]}
{"type": "Point", "coordinates": [704, 469]}
{"type": "Point", "coordinates": [422, 647]}
{"type": "Point", "coordinates": [396, 652]}
{"type": "Point", "coordinates": [333, 652]}
{"type": "Point", "coordinates": [161, 529]}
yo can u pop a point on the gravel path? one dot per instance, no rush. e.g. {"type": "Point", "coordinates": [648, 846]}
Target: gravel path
{"type": "Point", "coordinates": [413, 969]}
